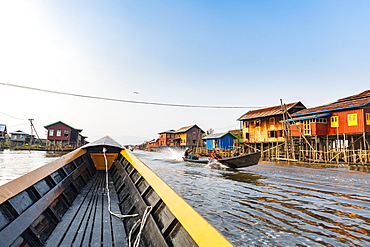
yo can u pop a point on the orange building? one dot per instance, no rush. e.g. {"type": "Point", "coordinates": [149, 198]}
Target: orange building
{"type": "Point", "coordinates": [265, 125]}
{"type": "Point", "coordinates": [166, 138]}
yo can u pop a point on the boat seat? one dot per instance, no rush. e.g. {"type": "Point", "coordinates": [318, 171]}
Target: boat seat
{"type": "Point", "coordinates": [77, 227]}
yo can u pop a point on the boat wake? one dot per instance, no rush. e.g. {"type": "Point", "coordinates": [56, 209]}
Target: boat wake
{"type": "Point", "coordinates": [172, 154]}
{"type": "Point", "coordinates": [214, 164]}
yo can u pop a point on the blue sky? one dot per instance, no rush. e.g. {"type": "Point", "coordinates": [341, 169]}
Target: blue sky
{"type": "Point", "coordinates": [218, 53]}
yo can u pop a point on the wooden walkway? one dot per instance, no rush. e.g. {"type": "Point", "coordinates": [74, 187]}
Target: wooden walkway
{"type": "Point", "coordinates": [88, 221]}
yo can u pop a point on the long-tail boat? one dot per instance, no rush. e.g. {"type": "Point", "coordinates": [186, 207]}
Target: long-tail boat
{"type": "Point", "coordinates": [99, 195]}
{"type": "Point", "coordinates": [240, 161]}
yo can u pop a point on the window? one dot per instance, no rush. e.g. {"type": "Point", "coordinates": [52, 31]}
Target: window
{"type": "Point", "coordinates": [334, 121]}
{"type": "Point", "coordinates": [272, 134]}
{"type": "Point", "coordinates": [66, 132]}
{"type": "Point", "coordinates": [352, 119]}
{"type": "Point", "coordinates": [246, 124]}
{"type": "Point", "coordinates": [321, 120]}
{"type": "Point", "coordinates": [59, 132]}
{"type": "Point", "coordinates": [257, 123]}
{"type": "Point", "coordinates": [51, 132]}
{"type": "Point", "coordinates": [272, 121]}
{"type": "Point", "coordinates": [246, 135]}
{"type": "Point", "coordinates": [307, 128]}
{"type": "Point", "coordinates": [279, 133]}
{"type": "Point", "coordinates": [367, 118]}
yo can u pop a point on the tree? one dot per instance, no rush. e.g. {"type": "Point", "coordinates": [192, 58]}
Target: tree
{"type": "Point", "coordinates": [209, 131]}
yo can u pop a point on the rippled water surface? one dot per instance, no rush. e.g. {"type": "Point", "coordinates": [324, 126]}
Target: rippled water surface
{"type": "Point", "coordinates": [273, 204]}
{"type": "Point", "coordinates": [270, 204]}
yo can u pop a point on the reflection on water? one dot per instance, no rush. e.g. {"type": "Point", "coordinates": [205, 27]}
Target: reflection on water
{"type": "Point", "coordinates": [275, 204]}
{"type": "Point", "coordinates": [243, 177]}
{"type": "Point", "coordinates": [270, 204]}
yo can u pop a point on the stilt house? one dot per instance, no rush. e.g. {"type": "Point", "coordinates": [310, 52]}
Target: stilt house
{"type": "Point", "coordinates": [224, 140]}
{"type": "Point", "coordinates": [166, 138]}
{"type": "Point", "coordinates": [188, 136]}
{"type": "Point", "coordinates": [19, 137]}
{"type": "Point", "coordinates": [61, 132]}
{"type": "Point", "coordinates": [342, 124]}
{"type": "Point", "coordinates": [264, 125]}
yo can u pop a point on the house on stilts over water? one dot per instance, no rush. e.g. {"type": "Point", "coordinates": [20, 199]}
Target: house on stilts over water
{"type": "Point", "coordinates": [264, 129]}
{"type": "Point", "coordinates": [335, 132]}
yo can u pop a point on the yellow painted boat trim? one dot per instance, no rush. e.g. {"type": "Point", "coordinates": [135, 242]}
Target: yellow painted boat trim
{"type": "Point", "coordinates": [19, 184]}
{"type": "Point", "coordinates": [202, 232]}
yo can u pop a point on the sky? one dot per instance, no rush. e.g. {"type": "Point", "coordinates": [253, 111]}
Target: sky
{"type": "Point", "coordinates": [235, 56]}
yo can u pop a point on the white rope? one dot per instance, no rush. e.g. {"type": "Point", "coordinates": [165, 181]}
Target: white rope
{"type": "Point", "coordinates": [107, 187]}
{"type": "Point", "coordinates": [142, 224]}
{"type": "Point", "coordinates": [140, 221]}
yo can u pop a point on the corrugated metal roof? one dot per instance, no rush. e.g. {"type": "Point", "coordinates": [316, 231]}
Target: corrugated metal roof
{"type": "Point", "coordinates": [338, 105]}
{"type": "Point", "coordinates": [269, 111]}
{"type": "Point", "coordinates": [19, 132]}
{"type": "Point", "coordinates": [186, 128]}
{"type": "Point", "coordinates": [167, 132]}
{"type": "Point", "coordinates": [364, 94]}
{"type": "Point", "coordinates": [217, 135]}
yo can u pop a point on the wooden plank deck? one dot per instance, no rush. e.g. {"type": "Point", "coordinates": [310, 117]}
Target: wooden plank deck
{"type": "Point", "coordinates": [88, 221]}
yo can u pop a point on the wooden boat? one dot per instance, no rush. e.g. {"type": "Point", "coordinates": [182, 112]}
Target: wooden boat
{"type": "Point", "coordinates": [200, 160]}
{"type": "Point", "coordinates": [233, 162]}
{"type": "Point", "coordinates": [69, 202]}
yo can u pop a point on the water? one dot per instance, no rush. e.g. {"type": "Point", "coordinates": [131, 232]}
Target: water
{"type": "Point", "coordinates": [15, 163]}
{"type": "Point", "coordinates": [273, 204]}
{"type": "Point", "coordinates": [270, 204]}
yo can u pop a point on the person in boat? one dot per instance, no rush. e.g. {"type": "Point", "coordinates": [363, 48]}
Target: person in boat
{"type": "Point", "coordinates": [187, 153]}
{"type": "Point", "coordinates": [215, 155]}
{"type": "Point", "coordinates": [236, 153]}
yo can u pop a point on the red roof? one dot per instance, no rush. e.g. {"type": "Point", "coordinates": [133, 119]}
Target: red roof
{"type": "Point", "coordinates": [270, 111]}
{"type": "Point", "coordinates": [354, 101]}
{"type": "Point", "coordinates": [364, 94]}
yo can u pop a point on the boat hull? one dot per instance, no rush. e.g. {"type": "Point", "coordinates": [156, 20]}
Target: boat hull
{"type": "Point", "coordinates": [242, 160]}
{"type": "Point", "coordinates": [233, 162]}
{"type": "Point", "coordinates": [65, 203]}
{"type": "Point", "coordinates": [200, 161]}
